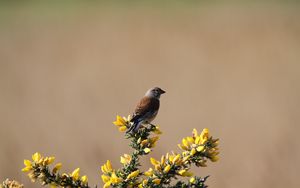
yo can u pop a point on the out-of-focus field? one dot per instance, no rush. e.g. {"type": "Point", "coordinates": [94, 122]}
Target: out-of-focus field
{"type": "Point", "coordinates": [67, 70]}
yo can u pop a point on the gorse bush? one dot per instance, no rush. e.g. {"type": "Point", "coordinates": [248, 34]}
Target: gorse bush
{"type": "Point", "coordinates": [196, 150]}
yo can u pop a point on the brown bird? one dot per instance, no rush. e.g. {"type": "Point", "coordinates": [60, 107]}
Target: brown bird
{"type": "Point", "coordinates": [147, 109]}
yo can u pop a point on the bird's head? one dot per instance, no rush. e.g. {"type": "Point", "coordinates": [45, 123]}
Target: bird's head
{"type": "Point", "coordinates": [155, 92]}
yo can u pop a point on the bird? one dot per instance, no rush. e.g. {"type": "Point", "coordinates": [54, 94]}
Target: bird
{"type": "Point", "coordinates": [146, 109]}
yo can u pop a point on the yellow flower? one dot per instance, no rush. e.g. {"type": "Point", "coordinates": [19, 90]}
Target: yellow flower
{"type": "Point", "coordinates": [202, 163]}
{"type": "Point", "coordinates": [195, 133]}
{"type": "Point", "coordinates": [184, 159]}
{"type": "Point", "coordinates": [106, 167]}
{"type": "Point", "coordinates": [154, 162]}
{"type": "Point", "coordinates": [182, 147]}
{"type": "Point", "coordinates": [56, 168]}
{"type": "Point", "coordinates": [204, 136]}
{"type": "Point", "coordinates": [188, 174]}
{"type": "Point", "coordinates": [167, 168]}
{"type": "Point", "coordinates": [27, 163]}
{"type": "Point", "coordinates": [144, 182]}
{"type": "Point", "coordinates": [193, 151]}
{"type": "Point", "coordinates": [192, 180]}
{"type": "Point", "coordinates": [126, 159]}
{"type": "Point", "coordinates": [105, 178]}
{"type": "Point", "coordinates": [157, 167]}
{"type": "Point", "coordinates": [190, 140]}
{"type": "Point", "coordinates": [176, 159]}
{"type": "Point", "coordinates": [156, 181]}
{"type": "Point", "coordinates": [185, 173]}
{"type": "Point", "coordinates": [205, 132]}
{"type": "Point", "coordinates": [114, 178]}
{"type": "Point", "coordinates": [84, 179]}
{"type": "Point", "coordinates": [167, 156]}
{"type": "Point", "coordinates": [162, 160]}
{"type": "Point", "coordinates": [154, 139]}
{"type": "Point", "coordinates": [26, 169]}
{"type": "Point", "coordinates": [107, 184]}
{"type": "Point", "coordinates": [36, 157]}
{"type": "Point", "coordinates": [149, 172]}
{"type": "Point", "coordinates": [48, 160]}
{"type": "Point", "coordinates": [75, 174]}
{"type": "Point", "coordinates": [185, 143]}
{"type": "Point", "coordinates": [170, 157]}
{"type": "Point", "coordinates": [133, 174]}
{"type": "Point", "coordinates": [214, 158]}
{"type": "Point", "coordinates": [157, 130]}
{"type": "Point", "coordinates": [181, 172]}
{"type": "Point", "coordinates": [28, 166]}
{"type": "Point", "coordinates": [144, 142]}
{"type": "Point", "coordinates": [120, 121]}
{"type": "Point", "coordinates": [200, 148]}
{"type": "Point", "coordinates": [147, 150]}
{"type": "Point", "coordinates": [122, 128]}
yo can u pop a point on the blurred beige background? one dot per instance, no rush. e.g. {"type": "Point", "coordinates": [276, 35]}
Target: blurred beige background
{"type": "Point", "coordinates": [67, 69]}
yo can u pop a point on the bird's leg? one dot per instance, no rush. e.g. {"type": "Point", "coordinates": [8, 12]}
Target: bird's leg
{"type": "Point", "coordinates": [152, 126]}
{"type": "Point", "coordinates": [142, 126]}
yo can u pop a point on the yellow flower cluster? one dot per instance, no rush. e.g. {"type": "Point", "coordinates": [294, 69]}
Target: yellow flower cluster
{"type": "Point", "coordinates": [38, 168]}
{"type": "Point", "coordinates": [196, 149]}
{"type": "Point", "coordinates": [148, 143]}
{"type": "Point", "coordinates": [76, 176]}
{"type": "Point", "coordinates": [37, 161]}
{"type": "Point", "coordinates": [171, 164]}
{"type": "Point", "coordinates": [123, 123]}
{"type": "Point", "coordinates": [109, 176]}
{"type": "Point", "coordinates": [200, 144]}
{"type": "Point", "coordinates": [125, 160]}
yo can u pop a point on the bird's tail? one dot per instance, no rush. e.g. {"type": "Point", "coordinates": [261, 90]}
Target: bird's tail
{"type": "Point", "coordinates": [134, 127]}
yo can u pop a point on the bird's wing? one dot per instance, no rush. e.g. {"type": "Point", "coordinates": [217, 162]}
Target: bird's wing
{"type": "Point", "coordinates": [145, 106]}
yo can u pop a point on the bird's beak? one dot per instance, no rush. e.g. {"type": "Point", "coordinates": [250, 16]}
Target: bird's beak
{"type": "Point", "coordinates": [162, 91]}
